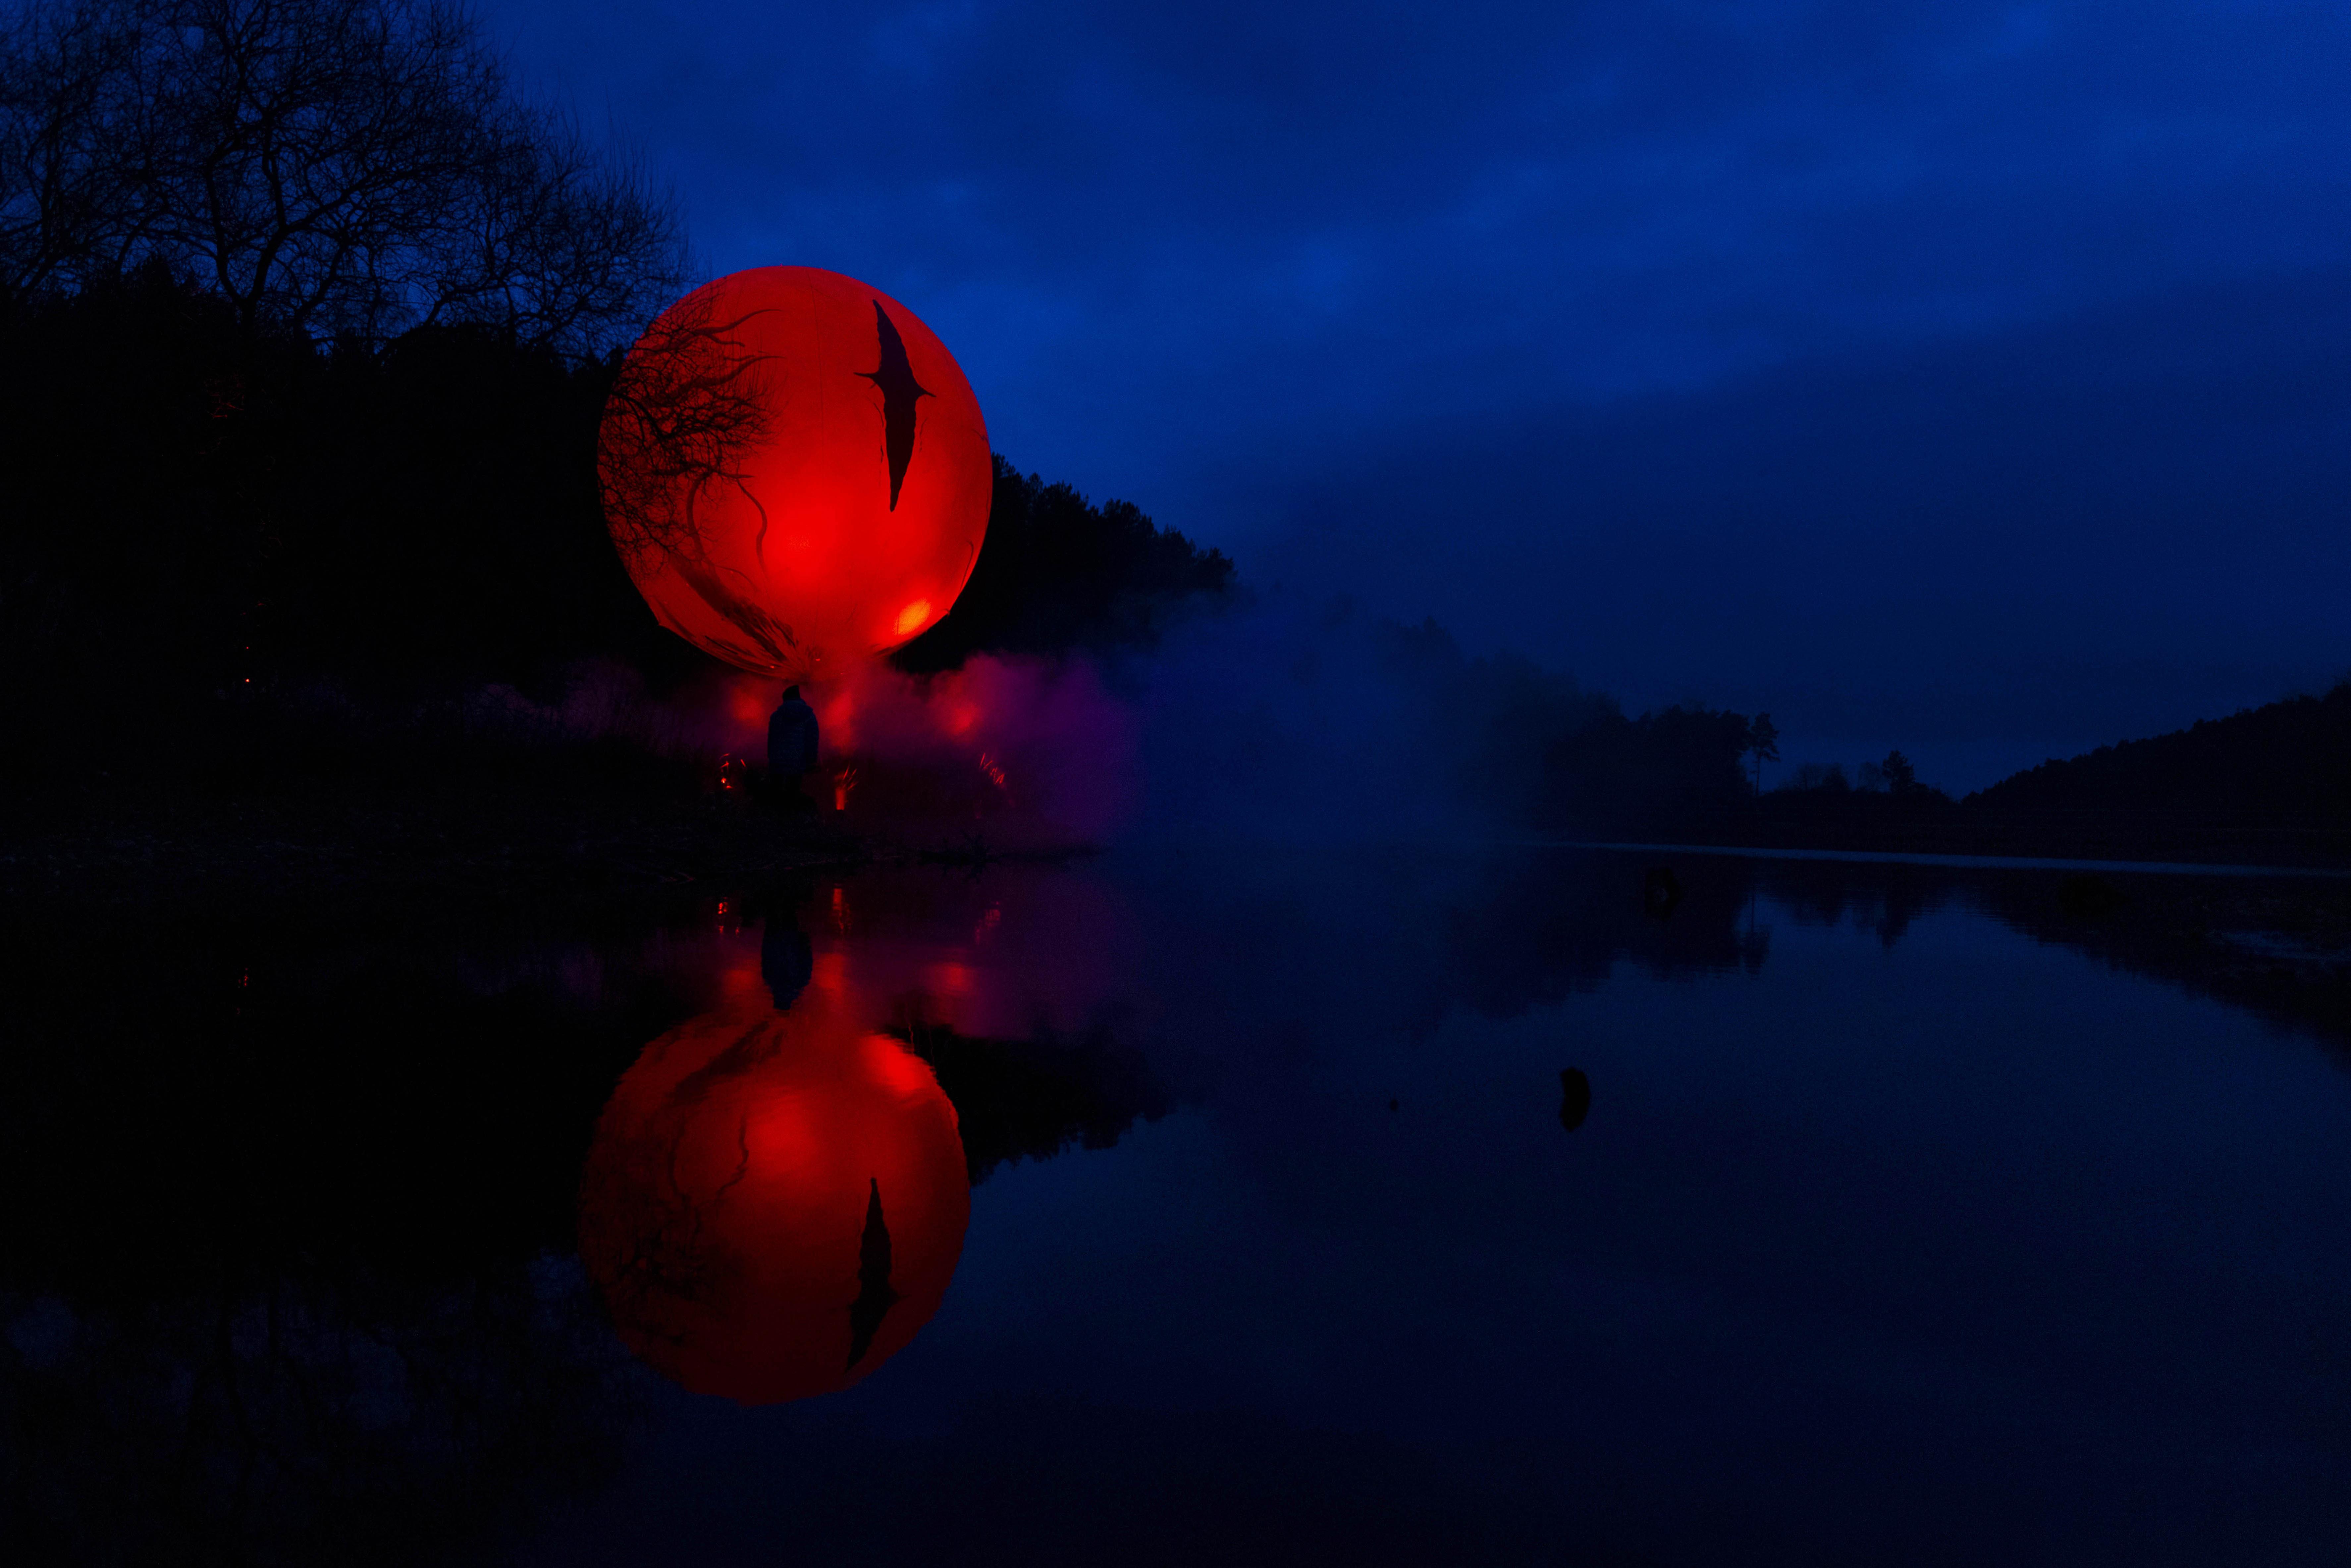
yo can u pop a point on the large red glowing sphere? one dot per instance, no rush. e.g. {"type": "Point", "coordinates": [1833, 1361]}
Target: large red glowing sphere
{"type": "Point", "coordinates": [794, 470]}
{"type": "Point", "coordinates": [773, 1203]}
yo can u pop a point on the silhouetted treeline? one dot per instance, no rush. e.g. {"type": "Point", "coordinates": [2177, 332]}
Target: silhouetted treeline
{"type": "Point", "coordinates": [1032, 1099]}
{"type": "Point", "coordinates": [1057, 573]}
{"type": "Point", "coordinates": [1530, 747]}
{"type": "Point", "coordinates": [199, 521]}
{"type": "Point", "coordinates": [2288, 758]}
{"type": "Point", "coordinates": [207, 532]}
{"type": "Point", "coordinates": [309, 315]}
{"type": "Point", "coordinates": [216, 536]}
{"type": "Point", "coordinates": [1654, 771]}
{"type": "Point", "coordinates": [2266, 785]}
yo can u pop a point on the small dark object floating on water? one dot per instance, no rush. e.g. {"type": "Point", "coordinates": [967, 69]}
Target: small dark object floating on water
{"type": "Point", "coordinates": [1660, 890]}
{"type": "Point", "coordinates": [1574, 1097]}
{"type": "Point", "coordinates": [2087, 896]}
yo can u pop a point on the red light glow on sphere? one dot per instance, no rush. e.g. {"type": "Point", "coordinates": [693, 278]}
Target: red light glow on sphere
{"type": "Point", "coordinates": [794, 470]}
{"type": "Point", "coordinates": [774, 1203]}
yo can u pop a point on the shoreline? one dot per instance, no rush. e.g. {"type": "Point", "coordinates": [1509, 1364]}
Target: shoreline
{"type": "Point", "coordinates": [495, 836]}
{"type": "Point", "coordinates": [1960, 861]}
{"type": "Point", "coordinates": [480, 845]}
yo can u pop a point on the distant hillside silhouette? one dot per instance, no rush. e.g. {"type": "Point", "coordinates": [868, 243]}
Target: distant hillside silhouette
{"type": "Point", "coordinates": [2268, 786]}
{"type": "Point", "coordinates": [2286, 759]}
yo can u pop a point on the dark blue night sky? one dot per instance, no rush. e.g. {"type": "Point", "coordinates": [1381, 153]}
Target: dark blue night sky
{"type": "Point", "coordinates": [1974, 378]}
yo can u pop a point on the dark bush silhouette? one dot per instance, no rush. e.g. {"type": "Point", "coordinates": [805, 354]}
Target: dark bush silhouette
{"type": "Point", "coordinates": [1057, 573]}
{"type": "Point", "coordinates": [1033, 1099]}
{"type": "Point", "coordinates": [1659, 771]}
{"type": "Point", "coordinates": [202, 524]}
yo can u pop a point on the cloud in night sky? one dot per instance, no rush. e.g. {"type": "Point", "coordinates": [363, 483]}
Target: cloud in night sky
{"type": "Point", "coordinates": [1975, 378]}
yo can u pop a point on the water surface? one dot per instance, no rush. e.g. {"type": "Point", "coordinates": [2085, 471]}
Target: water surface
{"type": "Point", "coordinates": [1885, 1214]}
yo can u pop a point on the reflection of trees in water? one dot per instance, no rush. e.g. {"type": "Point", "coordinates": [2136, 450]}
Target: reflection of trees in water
{"type": "Point", "coordinates": [267, 1278]}
{"type": "Point", "coordinates": [1033, 1099]}
{"type": "Point", "coordinates": [274, 1280]}
{"type": "Point", "coordinates": [1548, 926]}
{"type": "Point", "coordinates": [360, 1418]}
{"type": "Point", "coordinates": [1552, 925]}
{"type": "Point", "coordinates": [270, 1281]}
{"type": "Point", "coordinates": [666, 1254]}
{"type": "Point", "coordinates": [2280, 949]}
{"type": "Point", "coordinates": [1880, 898]}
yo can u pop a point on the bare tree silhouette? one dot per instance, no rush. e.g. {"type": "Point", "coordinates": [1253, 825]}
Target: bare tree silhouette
{"type": "Point", "coordinates": [689, 403]}
{"type": "Point", "coordinates": [334, 168]}
{"type": "Point", "coordinates": [65, 194]}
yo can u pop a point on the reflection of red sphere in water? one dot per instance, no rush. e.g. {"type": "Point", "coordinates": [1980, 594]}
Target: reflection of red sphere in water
{"type": "Point", "coordinates": [795, 470]}
{"type": "Point", "coordinates": [774, 1203]}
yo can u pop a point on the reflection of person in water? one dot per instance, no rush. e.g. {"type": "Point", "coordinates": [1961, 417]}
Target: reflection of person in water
{"type": "Point", "coordinates": [791, 750]}
{"type": "Point", "coordinates": [786, 959]}
{"type": "Point", "coordinates": [773, 1202]}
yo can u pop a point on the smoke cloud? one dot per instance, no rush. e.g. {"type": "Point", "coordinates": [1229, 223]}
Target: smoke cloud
{"type": "Point", "coordinates": [1277, 720]}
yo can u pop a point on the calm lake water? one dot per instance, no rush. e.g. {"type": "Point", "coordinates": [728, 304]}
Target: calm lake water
{"type": "Point", "coordinates": [1406, 1206]}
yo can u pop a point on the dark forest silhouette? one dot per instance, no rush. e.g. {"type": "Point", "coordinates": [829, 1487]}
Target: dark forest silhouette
{"type": "Point", "coordinates": [217, 540]}
{"type": "Point", "coordinates": [205, 525]}
{"type": "Point", "coordinates": [294, 482]}
{"type": "Point", "coordinates": [2267, 786]}
{"type": "Point", "coordinates": [1058, 574]}
{"type": "Point", "coordinates": [312, 316]}
{"type": "Point", "coordinates": [2286, 759]}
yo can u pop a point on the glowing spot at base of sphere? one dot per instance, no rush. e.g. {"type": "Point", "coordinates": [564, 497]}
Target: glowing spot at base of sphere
{"type": "Point", "coordinates": [912, 616]}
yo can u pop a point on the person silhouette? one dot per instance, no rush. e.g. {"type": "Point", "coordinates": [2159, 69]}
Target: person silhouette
{"type": "Point", "coordinates": [791, 750]}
